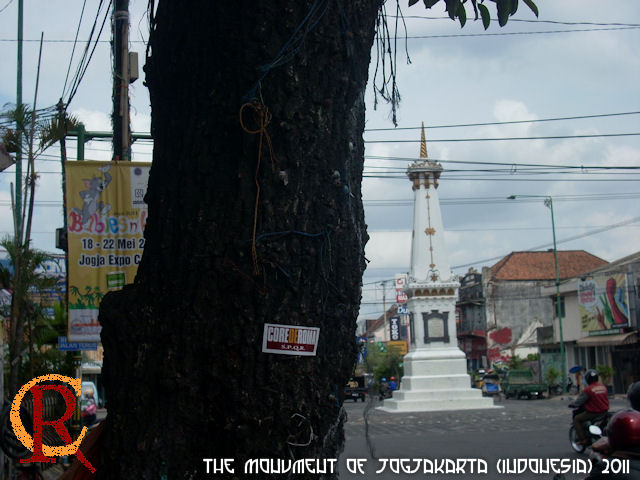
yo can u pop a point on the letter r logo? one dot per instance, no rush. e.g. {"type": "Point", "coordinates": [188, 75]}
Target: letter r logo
{"type": "Point", "coordinates": [41, 452]}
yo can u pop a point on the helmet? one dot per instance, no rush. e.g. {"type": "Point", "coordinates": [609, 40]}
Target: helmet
{"type": "Point", "coordinates": [633, 395]}
{"type": "Point", "coordinates": [393, 378]}
{"type": "Point", "coordinates": [624, 430]}
{"type": "Point", "coordinates": [591, 376]}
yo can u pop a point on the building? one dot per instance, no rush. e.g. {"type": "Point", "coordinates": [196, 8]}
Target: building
{"type": "Point", "coordinates": [501, 310]}
{"type": "Point", "coordinates": [601, 321]}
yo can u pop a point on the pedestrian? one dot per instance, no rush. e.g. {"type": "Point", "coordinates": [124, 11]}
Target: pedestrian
{"type": "Point", "coordinates": [633, 395]}
{"type": "Point", "coordinates": [593, 401]}
{"type": "Point", "coordinates": [89, 408]}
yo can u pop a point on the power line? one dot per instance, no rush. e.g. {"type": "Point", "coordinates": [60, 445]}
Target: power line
{"type": "Point", "coordinates": [6, 6]}
{"type": "Point", "coordinates": [514, 122]}
{"type": "Point", "coordinates": [415, 37]}
{"type": "Point", "coordinates": [502, 199]}
{"type": "Point", "coordinates": [497, 139]}
{"type": "Point", "coordinates": [501, 34]}
{"type": "Point", "coordinates": [84, 65]}
{"type": "Point", "coordinates": [523, 20]}
{"type": "Point", "coordinates": [75, 41]}
{"type": "Point", "coordinates": [564, 240]}
{"type": "Point", "coordinates": [513, 165]}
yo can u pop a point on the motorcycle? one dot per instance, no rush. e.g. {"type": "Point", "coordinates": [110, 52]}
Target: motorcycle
{"type": "Point", "coordinates": [610, 464]}
{"type": "Point", "coordinates": [600, 421]}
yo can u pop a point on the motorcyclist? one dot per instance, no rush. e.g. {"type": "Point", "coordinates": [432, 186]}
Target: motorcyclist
{"type": "Point", "coordinates": [594, 399]}
{"type": "Point", "coordinates": [384, 388]}
{"type": "Point", "coordinates": [393, 386]}
{"type": "Point", "coordinates": [623, 441]}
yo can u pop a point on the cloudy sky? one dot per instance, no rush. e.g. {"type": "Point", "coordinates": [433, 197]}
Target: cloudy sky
{"type": "Point", "coordinates": [578, 59]}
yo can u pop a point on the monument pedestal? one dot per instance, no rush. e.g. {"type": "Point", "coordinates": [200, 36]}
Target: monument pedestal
{"type": "Point", "coordinates": [436, 379]}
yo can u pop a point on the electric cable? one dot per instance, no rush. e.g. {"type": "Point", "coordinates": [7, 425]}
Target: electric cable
{"type": "Point", "coordinates": [513, 122]}
{"type": "Point", "coordinates": [75, 41]}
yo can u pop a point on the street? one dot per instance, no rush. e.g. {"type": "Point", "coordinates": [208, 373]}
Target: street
{"type": "Point", "coordinates": [522, 429]}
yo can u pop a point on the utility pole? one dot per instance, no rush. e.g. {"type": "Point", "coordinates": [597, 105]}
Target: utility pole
{"type": "Point", "coordinates": [18, 207]}
{"type": "Point", "coordinates": [120, 116]}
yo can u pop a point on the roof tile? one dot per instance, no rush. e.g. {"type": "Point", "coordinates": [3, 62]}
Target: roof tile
{"type": "Point", "coordinates": [541, 265]}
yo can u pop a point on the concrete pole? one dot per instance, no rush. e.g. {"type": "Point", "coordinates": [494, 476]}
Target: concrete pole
{"type": "Point", "coordinates": [120, 116]}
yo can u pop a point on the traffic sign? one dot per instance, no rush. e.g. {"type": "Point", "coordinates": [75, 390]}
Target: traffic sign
{"type": "Point", "coordinates": [65, 346]}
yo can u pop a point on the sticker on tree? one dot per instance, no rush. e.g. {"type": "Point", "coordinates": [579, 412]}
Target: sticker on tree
{"type": "Point", "coordinates": [290, 339]}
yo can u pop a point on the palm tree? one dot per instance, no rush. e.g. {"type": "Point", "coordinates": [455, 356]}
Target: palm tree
{"type": "Point", "coordinates": [25, 130]}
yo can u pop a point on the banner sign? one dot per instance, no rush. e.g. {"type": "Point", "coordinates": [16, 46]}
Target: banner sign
{"type": "Point", "coordinates": [106, 216]}
{"type": "Point", "coordinates": [290, 339]}
{"type": "Point", "coordinates": [398, 346]}
{"type": "Point", "coordinates": [394, 328]}
{"type": "Point", "coordinates": [603, 302]}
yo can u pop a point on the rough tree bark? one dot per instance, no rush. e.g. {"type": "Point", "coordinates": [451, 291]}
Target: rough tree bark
{"type": "Point", "coordinates": [184, 372]}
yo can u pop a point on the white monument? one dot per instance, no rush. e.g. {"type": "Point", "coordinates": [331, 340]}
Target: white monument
{"type": "Point", "coordinates": [435, 370]}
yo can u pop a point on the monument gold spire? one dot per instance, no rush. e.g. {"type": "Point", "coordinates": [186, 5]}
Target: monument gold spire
{"type": "Point", "coordinates": [423, 143]}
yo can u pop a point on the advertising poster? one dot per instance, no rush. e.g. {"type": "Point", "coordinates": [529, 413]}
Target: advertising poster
{"type": "Point", "coordinates": [603, 303]}
{"type": "Point", "coordinates": [106, 216]}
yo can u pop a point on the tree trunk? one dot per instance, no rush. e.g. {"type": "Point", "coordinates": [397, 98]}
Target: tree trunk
{"type": "Point", "coordinates": [185, 375]}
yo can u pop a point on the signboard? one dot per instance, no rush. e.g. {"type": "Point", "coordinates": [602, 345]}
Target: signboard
{"type": "Point", "coordinates": [106, 216]}
{"type": "Point", "coordinates": [64, 345]}
{"type": "Point", "coordinates": [398, 346]}
{"type": "Point", "coordinates": [402, 310]}
{"type": "Point", "coordinates": [401, 281]}
{"type": "Point", "coordinates": [603, 302]}
{"type": "Point", "coordinates": [290, 339]}
{"type": "Point", "coordinates": [394, 328]}
{"type": "Point", "coordinates": [401, 297]}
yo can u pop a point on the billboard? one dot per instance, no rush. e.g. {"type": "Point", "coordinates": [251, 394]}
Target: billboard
{"type": "Point", "coordinates": [106, 216]}
{"type": "Point", "coordinates": [603, 302]}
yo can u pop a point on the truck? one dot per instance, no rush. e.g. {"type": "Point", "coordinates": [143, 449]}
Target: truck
{"type": "Point", "coordinates": [523, 383]}
{"type": "Point", "coordinates": [356, 389]}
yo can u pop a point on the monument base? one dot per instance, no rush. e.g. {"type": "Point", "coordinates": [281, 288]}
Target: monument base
{"type": "Point", "coordinates": [436, 379]}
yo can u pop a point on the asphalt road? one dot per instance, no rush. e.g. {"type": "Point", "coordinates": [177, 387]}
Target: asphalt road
{"type": "Point", "coordinates": [522, 429]}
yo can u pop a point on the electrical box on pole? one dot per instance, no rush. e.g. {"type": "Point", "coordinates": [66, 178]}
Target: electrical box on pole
{"type": "Point", "coordinates": [133, 66]}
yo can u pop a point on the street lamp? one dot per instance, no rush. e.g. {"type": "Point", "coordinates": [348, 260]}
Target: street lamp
{"type": "Point", "coordinates": [548, 202]}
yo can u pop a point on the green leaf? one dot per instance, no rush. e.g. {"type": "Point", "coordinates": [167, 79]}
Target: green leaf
{"type": "Point", "coordinates": [413, 2]}
{"type": "Point", "coordinates": [486, 16]}
{"type": "Point", "coordinates": [430, 3]}
{"type": "Point", "coordinates": [452, 7]}
{"type": "Point", "coordinates": [462, 14]}
{"type": "Point", "coordinates": [514, 6]}
{"type": "Point", "coordinates": [504, 8]}
{"type": "Point", "coordinates": [532, 6]}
